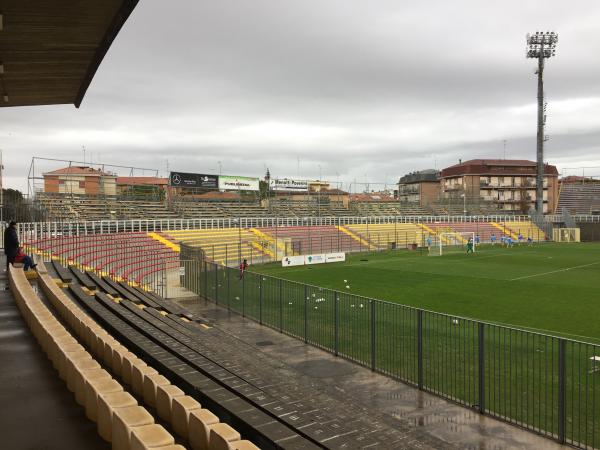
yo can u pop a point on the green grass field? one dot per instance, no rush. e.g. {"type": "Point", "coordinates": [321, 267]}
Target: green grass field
{"type": "Point", "coordinates": [552, 288]}
{"type": "Point", "coordinates": [514, 374]}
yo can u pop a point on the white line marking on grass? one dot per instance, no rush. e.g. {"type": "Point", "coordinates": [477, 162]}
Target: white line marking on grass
{"type": "Point", "coordinates": [556, 271]}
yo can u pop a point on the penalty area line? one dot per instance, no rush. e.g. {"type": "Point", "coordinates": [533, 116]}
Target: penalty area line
{"type": "Point", "coordinates": [555, 271]}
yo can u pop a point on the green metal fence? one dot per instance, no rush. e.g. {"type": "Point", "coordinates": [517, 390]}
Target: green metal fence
{"type": "Point", "coordinates": [546, 384]}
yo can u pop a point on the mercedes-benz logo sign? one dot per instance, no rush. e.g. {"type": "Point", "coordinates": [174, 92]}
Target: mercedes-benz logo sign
{"type": "Point", "coordinates": [176, 179]}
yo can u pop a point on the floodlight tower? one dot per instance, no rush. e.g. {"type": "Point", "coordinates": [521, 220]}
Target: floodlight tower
{"type": "Point", "coordinates": [541, 45]}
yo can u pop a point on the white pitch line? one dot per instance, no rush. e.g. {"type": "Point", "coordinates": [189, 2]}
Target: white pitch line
{"type": "Point", "coordinates": [556, 271]}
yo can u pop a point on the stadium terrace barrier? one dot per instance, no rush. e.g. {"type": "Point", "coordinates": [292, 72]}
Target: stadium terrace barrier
{"type": "Point", "coordinates": [39, 230]}
{"type": "Point", "coordinates": [139, 256]}
{"type": "Point", "coordinates": [546, 384]}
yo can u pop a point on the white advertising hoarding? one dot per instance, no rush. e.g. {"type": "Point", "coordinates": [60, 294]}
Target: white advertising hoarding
{"type": "Point", "coordinates": [321, 258]}
{"type": "Point", "coordinates": [230, 183]}
{"type": "Point", "coordinates": [288, 185]}
{"type": "Point", "coordinates": [335, 257]}
{"type": "Point", "coordinates": [290, 261]}
{"type": "Point", "coordinates": [314, 259]}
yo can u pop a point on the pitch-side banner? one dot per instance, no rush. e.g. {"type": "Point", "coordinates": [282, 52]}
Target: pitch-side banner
{"type": "Point", "coordinates": [321, 258]}
{"type": "Point", "coordinates": [193, 180]}
{"type": "Point", "coordinates": [290, 261]}
{"type": "Point", "coordinates": [229, 183]}
{"type": "Point", "coordinates": [289, 185]}
{"type": "Point", "coordinates": [335, 257]}
{"type": "Point", "coordinates": [315, 259]}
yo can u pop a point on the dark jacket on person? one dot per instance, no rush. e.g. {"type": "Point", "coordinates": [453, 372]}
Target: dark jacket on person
{"type": "Point", "coordinates": [11, 242]}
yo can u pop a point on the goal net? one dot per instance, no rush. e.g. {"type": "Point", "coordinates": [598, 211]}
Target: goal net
{"type": "Point", "coordinates": [452, 242]}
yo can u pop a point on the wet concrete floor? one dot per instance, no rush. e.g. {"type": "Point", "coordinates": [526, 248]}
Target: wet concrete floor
{"type": "Point", "coordinates": [427, 419]}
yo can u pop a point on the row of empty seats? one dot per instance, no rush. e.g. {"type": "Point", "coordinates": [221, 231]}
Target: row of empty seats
{"type": "Point", "coordinates": [130, 256]}
{"type": "Point", "coordinates": [182, 349]}
{"type": "Point", "coordinates": [224, 245]}
{"type": "Point", "coordinates": [118, 390]}
{"type": "Point", "coordinates": [579, 198]}
{"type": "Point", "coordinates": [62, 208]}
{"type": "Point", "coordinates": [67, 208]}
{"type": "Point", "coordinates": [382, 236]}
{"type": "Point", "coordinates": [120, 419]}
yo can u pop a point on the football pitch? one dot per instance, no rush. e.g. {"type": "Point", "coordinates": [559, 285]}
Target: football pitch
{"type": "Point", "coordinates": [551, 288]}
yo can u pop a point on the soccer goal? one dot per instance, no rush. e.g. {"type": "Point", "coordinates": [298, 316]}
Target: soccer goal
{"type": "Point", "coordinates": [452, 242]}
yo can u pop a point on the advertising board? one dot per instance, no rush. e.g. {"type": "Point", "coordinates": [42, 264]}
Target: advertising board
{"type": "Point", "coordinates": [193, 180]}
{"type": "Point", "coordinates": [335, 257]}
{"type": "Point", "coordinates": [319, 258]}
{"type": "Point", "coordinates": [232, 183]}
{"type": "Point", "coordinates": [289, 261]}
{"type": "Point", "coordinates": [288, 185]}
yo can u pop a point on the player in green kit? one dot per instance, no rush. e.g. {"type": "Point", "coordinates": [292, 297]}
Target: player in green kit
{"type": "Point", "coordinates": [470, 246]}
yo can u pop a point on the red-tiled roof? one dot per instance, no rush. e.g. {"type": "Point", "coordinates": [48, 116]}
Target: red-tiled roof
{"type": "Point", "coordinates": [496, 167]}
{"type": "Point", "coordinates": [496, 162]}
{"type": "Point", "coordinates": [143, 181]}
{"type": "Point", "coordinates": [79, 170]}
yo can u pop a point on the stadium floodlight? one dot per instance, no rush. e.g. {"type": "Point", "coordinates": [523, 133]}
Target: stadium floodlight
{"type": "Point", "coordinates": [541, 45]}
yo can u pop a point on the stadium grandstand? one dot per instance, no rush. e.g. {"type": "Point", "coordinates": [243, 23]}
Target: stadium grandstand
{"type": "Point", "coordinates": [230, 312]}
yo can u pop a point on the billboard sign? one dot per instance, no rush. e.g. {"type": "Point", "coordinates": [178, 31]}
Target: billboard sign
{"type": "Point", "coordinates": [314, 259]}
{"type": "Point", "coordinates": [335, 257]}
{"type": "Point", "coordinates": [321, 258]}
{"type": "Point", "coordinates": [231, 183]}
{"type": "Point", "coordinates": [193, 180]}
{"type": "Point", "coordinates": [289, 261]}
{"type": "Point", "coordinates": [288, 185]}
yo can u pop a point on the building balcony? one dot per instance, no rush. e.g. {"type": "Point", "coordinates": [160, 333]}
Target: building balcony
{"type": "Point", "coordinates": [453, 188]}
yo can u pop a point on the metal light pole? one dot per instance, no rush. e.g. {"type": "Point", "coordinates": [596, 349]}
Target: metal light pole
{"type": "Point", "coordinates": [541, 45]}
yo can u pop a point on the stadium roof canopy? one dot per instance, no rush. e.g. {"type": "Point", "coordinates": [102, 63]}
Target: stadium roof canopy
{"type": "Point", "coordinates": [50, 51]}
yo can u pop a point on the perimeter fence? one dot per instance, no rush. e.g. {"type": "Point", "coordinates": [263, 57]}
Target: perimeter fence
{"type": "Point", "coordinates": [546, 384]}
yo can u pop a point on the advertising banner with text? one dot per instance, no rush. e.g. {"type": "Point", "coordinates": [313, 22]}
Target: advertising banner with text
{"type": "Point", "coordinates": [193, 180]}
{"type": "Point", "coordinates": [230, 183]}
{"type": "Point", "coordinates": [290, 261]}
{"type": "Point", "coordinates": [314, 259]}
{"type": "Point", "coordinates": [335, 257]}
{"type": "Point", "coordinates": [287, 185]}
{"type": "Point", "coordinates": [321, 258]}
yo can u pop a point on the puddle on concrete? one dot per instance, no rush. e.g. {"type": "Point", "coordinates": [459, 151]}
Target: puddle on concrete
{"type": "Point", "coordinates": [324, 368]}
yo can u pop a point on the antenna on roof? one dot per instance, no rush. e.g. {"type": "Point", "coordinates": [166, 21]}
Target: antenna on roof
{"type": "Point", "coordinates": [504, 144]}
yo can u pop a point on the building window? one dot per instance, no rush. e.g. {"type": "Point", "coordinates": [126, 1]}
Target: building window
{"type": "Point", "coordinates": [82, 185]}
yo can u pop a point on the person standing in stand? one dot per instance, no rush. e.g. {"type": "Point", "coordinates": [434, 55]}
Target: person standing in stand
{"type": "Point", "coordinates": [11, 243]}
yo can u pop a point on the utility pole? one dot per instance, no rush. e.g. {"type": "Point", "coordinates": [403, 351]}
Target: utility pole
{"type": "Point", "coordinates": [541, 45]}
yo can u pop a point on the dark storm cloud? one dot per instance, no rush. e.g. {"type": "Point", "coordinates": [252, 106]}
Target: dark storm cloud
{"type": "Point", "coordinates": [363, 89]}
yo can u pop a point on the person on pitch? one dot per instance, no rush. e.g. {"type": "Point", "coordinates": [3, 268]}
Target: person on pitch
{"type": "Point", "coordinates": [470, 246]}
{"type": "Point", "coordinates": [243, 267]}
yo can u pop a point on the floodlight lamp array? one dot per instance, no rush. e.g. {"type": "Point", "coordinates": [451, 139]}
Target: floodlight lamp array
{"type": "Point", "coordinates": [541, 43]}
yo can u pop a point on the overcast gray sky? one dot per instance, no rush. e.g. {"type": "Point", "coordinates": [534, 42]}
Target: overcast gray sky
{"type": "Point", "coordinates": [368, 89]}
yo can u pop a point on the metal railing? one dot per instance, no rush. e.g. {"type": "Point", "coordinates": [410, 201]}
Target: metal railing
{"type": "Point", "coordinates": [546, 384]}
{"type": "Point", "coordinates": [39, 230]}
